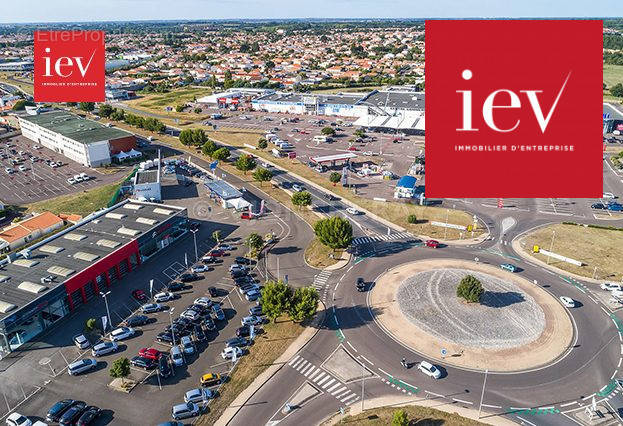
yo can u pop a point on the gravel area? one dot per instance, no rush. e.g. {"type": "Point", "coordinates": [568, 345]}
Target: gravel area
{"type": "Point", "coordinates": [506, 317]}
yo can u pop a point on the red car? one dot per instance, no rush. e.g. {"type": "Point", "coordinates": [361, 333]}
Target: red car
{"type": "Point", "coordinates": [432, 243]}
{"type": "Point", "coordinates": [246, 215]}
{"type": "Point", "coordinates": [352, 148]}
{"type": "Point", "coordinates": [139, 295]}
{"type": "Point", "coordinates": [216, 253]}
{"type": "Point", "coordinates": [150, 353]}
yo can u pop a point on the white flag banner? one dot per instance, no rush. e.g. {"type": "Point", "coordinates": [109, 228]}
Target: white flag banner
{"type": "Point", "coordinates": [234, 355]}
{"type": "Point", "coordinates": [151, 286]}
{"type": "Point", "coordinates": [186, 259]}
{"type": "Point", "coordinates": [104, 322]}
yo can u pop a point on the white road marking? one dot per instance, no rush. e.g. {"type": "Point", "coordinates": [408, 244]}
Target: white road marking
{"type": "Point", "coordinates": [314, 368]}
{"type": "Point", "coordinates": [328, 383]}
{"type": "Point", "coordinates": [436, 394]}
{"type": "Point", "coordinates": [460, 400]}
{"type": "Point", "coordinates": [332, 388]}
{"type": "Point", "coordinates": [320, 376]}
{"type": "Point", "coordinates": [567, 404]}
{"type": "Point", "coordinates": [347, 398]}
{"type": "Point", "coordinates": [353, 348]}
{"type": "Point", "coordinates": [524, 420]}
{"type": "Point", "coordinates": [324, 380]}
{"type": "Point", "coordinates": [294, 359]}
{"type": "Point", "coordinates": [368, 361]}
{"type": "Point", "coordinates": [491, 406]}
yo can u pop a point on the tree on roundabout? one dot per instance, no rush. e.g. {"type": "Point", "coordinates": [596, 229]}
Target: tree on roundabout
{"type": "Point", "coordinates": [470, 289]}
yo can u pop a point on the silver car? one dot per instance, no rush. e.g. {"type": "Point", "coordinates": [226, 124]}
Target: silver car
{"type": "Point", "coordinates": [104, 348]}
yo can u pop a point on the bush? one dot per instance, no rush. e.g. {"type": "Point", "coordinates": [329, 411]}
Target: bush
{"type": "Point", "coordinates": [470, 289]}
{"type": "Point", "coordinates": [90, 324]}
{"type": "Point", "coordinates": [400, 418]}
{"type": "Point", "coordinates": [412, 218]}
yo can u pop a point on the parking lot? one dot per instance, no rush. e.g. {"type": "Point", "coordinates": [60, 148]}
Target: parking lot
{"type": "Point", "coordinates": [42, 370]}
{"type": "Point", "coordinates": [33, 181]}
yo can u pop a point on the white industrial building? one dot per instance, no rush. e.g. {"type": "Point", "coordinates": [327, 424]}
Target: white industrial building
{"type": "Point", "coordinates": [84, 141]}
{"type": "Point", "coordinates": [147, 184]}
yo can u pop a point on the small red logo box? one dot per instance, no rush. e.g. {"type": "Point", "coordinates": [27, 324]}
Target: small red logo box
{"type": "Point", "coordinates": [514, 108]}
{"type": "Point", "coordinates": [69, 66]}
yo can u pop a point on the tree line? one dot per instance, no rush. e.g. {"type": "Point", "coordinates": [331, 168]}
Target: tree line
{"type": "Point", "coordinates": [116, 114]}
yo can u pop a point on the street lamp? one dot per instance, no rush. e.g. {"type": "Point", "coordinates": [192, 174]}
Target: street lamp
{"type": "Point", "coordinates": [194, 231]}
{"type": "Point", "coordinates": [171, 320]}
{"type": "Point", "coordinates": [107, 310]}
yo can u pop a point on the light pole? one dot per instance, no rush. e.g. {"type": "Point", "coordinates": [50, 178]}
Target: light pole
{"type": "Point", "coordinates": [194, 231]}
{"type": "Point", "coordinates": [107, 310]}
{"type": "Point", "coordinates": [551, 247]}
{"type": "Point", "coordinates": [171, 320]}
{"type": "Point", "coordinates": [482, 395]}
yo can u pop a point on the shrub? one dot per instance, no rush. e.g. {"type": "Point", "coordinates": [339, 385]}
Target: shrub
{"type": "Point", "coordinates": [412, 218]}
{"type": "Point", "coordinates": [470, 289]}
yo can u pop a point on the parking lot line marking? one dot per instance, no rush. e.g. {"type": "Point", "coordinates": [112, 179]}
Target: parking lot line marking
{"type": "Point", "coordinates": [220, 363]}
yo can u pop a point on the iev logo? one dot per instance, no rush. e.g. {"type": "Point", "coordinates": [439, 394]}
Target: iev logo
{"type": "Point", "coordinates": [66, 61]}
{"type": "Point", "coordinates": [489, 106]}
{"type": "Point", "coordinates": [513, 108]}
{"type": "Point", "coordinates": [69, 66]}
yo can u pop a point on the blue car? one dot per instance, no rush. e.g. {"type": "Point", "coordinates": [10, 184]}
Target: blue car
{"type": "Point", "coordinates": [509, 267]}
{"type": "Point", "coordinates": [615, 207]}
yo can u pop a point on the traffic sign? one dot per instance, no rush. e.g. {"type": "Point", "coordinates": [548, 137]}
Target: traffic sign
{"type": "Point", "coordinates": [444, 352]}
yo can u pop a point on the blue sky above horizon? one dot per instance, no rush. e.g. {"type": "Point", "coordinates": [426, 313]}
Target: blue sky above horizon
{"type": "Point", "coordinates": [14, 11]}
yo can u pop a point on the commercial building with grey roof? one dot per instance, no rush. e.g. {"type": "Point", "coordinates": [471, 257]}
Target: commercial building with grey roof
{"type": "Point", "coordinates": [46, 282]}
{"type": "Point", "coordinates": [82, 140]}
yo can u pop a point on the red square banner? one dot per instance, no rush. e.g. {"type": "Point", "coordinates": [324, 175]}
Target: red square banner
{"type": "Point", "coordinates": [514, 108]}
{"type": "Point", "coordinates": [70, 66]}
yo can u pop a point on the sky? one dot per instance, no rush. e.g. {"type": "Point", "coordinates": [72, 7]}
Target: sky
{"type": "Point", "coordinates": [131, 10]}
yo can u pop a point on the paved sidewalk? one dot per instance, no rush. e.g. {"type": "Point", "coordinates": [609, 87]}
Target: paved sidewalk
{"type": "Point", "coordinates": [401, 401]}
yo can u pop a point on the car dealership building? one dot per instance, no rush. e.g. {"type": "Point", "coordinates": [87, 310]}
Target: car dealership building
{"type": "Point", "coordinates": [47, 281]}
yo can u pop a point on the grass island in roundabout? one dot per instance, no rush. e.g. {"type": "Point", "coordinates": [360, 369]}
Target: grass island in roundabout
{"type": "Point", "coordinates": [516, 325]}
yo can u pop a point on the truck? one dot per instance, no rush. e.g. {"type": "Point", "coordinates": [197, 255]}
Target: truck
{"type": "Point", "coordinates": [276, 153]}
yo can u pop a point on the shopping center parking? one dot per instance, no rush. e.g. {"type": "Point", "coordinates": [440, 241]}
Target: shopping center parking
{"type": "Point", "coordinates": [40, 181]}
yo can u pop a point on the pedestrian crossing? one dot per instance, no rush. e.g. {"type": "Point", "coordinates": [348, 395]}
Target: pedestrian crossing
{"type": "Point", "coordinates": [320, 280]}
{"type": "Point", "coordinates": [559, 206]}
{"type": "Point", "coordinates": [323, 380]}
{"type": "Point", "coordinates": [377, 237]}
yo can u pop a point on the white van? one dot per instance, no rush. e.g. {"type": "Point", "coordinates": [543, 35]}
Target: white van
{"type": "Point", "coordinates": [176, 356]}
{"type": "Point", "coordinates": [270, 136]}
{"type": "Point", "coordinates": [81, 366]}
{"type": "Point", "coordinates": [320, 138]}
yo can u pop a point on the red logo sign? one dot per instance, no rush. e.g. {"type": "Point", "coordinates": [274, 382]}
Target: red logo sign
{"type": "Point", "coordinates": [69, 66]}
{"type": "Point", "coordinates": [514, 108]}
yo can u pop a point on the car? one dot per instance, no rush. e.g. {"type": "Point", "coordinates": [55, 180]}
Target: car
{"type": "Point", "coordinates": [251, 320]}
{"type": "Point", "coordinates": [208, 323]}
{"type": "Point", "coordinates": [150, 353]}
{"type": "Point", "coordinates": [22, 168]}
{"type": "Point", "coordinates": [199, 395]}
{"type": "Point", "coordinates": [615, 207]}
{"type": "Point", "coordinates": [56, 411]}
{"type": "Point", "coordinates": [361, 284]}
{"type": "Point", "coordinates": [190, 314]}
{"type": "Point", "coordinates": [184, 411]}
{"type": "Point", "coordinates": [139, 295]}
{"type": "Point", "coordinates": [164, 296]}
{"type": "Point", "coordinates": [216, 253]}
{"type": "Point", "coordinates": [256, 310]}
{"type": "Point", "coordinates": [187, 345]}
{"type": "Point", "coordinates": [237, 267]}
{"type": "Point", "coordinates": [210, 259]}
{"type": "Point", "coordinates": [176, 356]}
{"type": "Point", "coordinates": [136, 320]}
{"type": "Point", "coordinates": [253, 295]}
{"type": "Point", "coordinates": [144, 363]}
{"type": "Point", "coordinates": [151, 308]}
{"type": "Point", "coordinates": [165, 337]}
{"type": "Point", "coordinates": [164, 368]}
{"type": "Point", "coordinates": [89, 415]}
{"type": "Point", "coordinates": [199, 269]}
{"type": "Point", "coordinates": [609, 195]}
{"type": "Point", "coordinates": [237, 341]}
{"type": "Point", "coordinates": [243, 280]}
{"type": "Point", "coordinates": [243, 331]}
{"type": "Point", "coordinates": [353, 211]}
{"type": "Point", "coordinates": [203, 301]}
{"type": "Point", "coordinates": [229, 351]}
{"type": "Point", "coordinates": [175, 286]}
{"type": "Point", "coordinates": [104, 348]}
{"type": "Point", "coordinates": [227, 247]}
{"type": "Point", "coordinates": [599, 206]}
{"type": "Point", "coordinates": [198, 334]}
{"type": "Point", "coordinates": [213, 291]}
{"type": "Point", "coordinates": [81, 342]}
{"type": "Point", "coordinates": [188, 277]}
{"type": "Point", "coordinates": [367, 153]}
{"type": "Point", "coordinates": [81, 366]}
{"type": "Point", "coordinates": [245, 288]}
{"type": "Point", "coordinates": [429, 369]}
{"type": "Point", "coordinates": [71, 181]}
{"type": "Point", "coordinates": [432, 243]}
{"type": "Point", "coordinates": [611, 286]}
{"type": "Point", "coordinates": [121, 333]}
{"type": "Point", "coordinates": [218, 313]}
{"type": "Point", "coordinates": [246, 216]}
{"type": "Point", "coordinates": [509, 267]}
{"type": "Point", "coordinates": [16, 419]}
{"type": "Point", "coordinates": [353, 148]}
{"type": "Point", "coordinates": [72, 414]}
{"type": "Point", "coordinates": [238, 273]}
{"type": "Point", "coordinates": [567, 301]}
{"type": "Point", "coordinates": [297, 188]}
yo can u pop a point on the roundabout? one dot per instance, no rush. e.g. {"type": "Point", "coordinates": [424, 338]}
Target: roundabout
{"type": "Point", "coordinates": [516, 326]}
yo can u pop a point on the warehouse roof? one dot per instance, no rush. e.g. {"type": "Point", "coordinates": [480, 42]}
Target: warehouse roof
{"type": "Point", "coordinates": [75, 127]}
{"type": "Point", "coordinates": [222, 189]}
{"type": "Point", "coordinates": [69, 252]}
{"type": "Point", "coordinates": [396, 99]}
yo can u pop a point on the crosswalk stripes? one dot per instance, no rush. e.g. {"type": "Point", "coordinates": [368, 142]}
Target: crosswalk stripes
{"type": "Point", "coordinates": [321, 378]}
{"type": "Point", "coordinates": [321, 279]}
{"type": "Point", "coordinates": [378, 237]}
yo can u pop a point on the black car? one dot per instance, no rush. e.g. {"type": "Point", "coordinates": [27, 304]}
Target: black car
{"type": "Point", "coordinates": [237, 341]}
{"type": "Point", "coordinates": [89, 415]}
{"type": "Point", "coordinates": [165, 337]}
{"type": "Point", "coordinates": [361, 284]}
{"type": "Point", "coordinates": [177, 330]}
{"type": "Point", "coordinates": [198, 334]}
{"type": "Point", "coordinates": [244, 280]}
{"type": "Point", "coordinates": [328, 196]}
{"type": "Point", "coordinates": [200, 309]}
{"type": "Point", "coordinates": [135, 320]}
{"type": "Point", "coordinates": [237, 273]}
{"type": "Point", "coordinates": [57, 410]}
{"type": "Point", "coordinates": [146, 363]}
{"type": "Point", "coordinates": [164, 368]}
{"type": "Point", "coordinates": [188, 277]}
{"type": "Point", "coordinates": [208, 323]}
{"type": "Point", "coordinates": [256, 310]}
{"type": "Point", "coordinates": [240, 260]}
{"type": "Point", "coordinates": [175, 286]}
{"type": "Point", "coordinates": [211, 259]}
{"type": "Point", "coordinates": [213, 291]}
{"type": "Point", "coordinates": [599, 206]}
{"type": "Point", "coordinates": [243, 331]}
{"type": "Point", "coordinates": [73, 413]}
{"type": "Point", "coordinates": [182, 322]}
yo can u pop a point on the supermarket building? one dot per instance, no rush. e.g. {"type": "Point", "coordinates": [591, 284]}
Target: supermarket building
{"type": "Point", "coordinates": [46, 282]}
